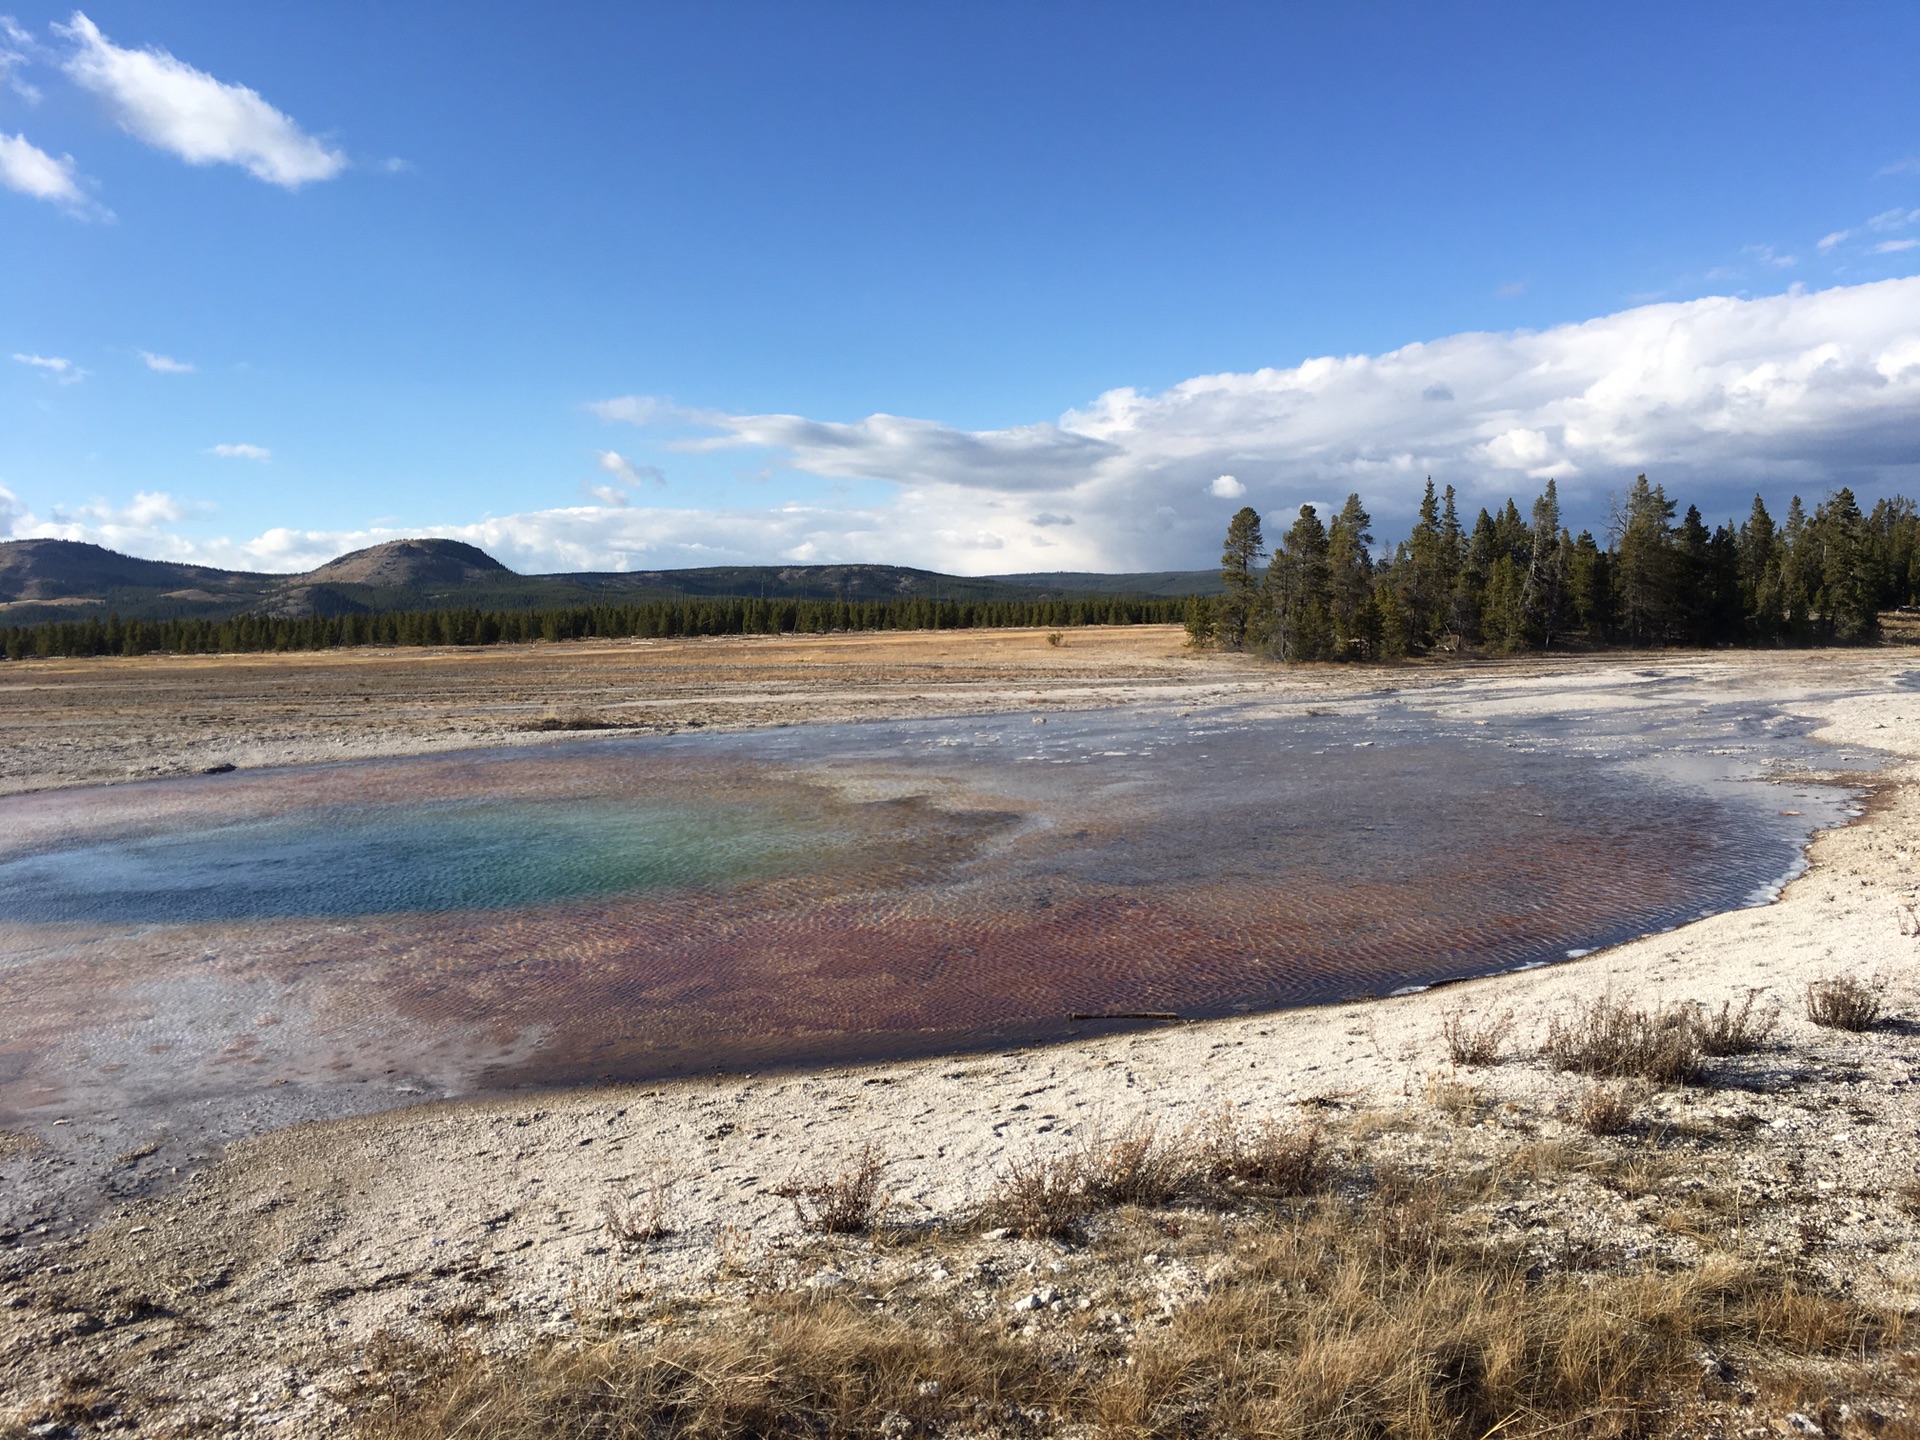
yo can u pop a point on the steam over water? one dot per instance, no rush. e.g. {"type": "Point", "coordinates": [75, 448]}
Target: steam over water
{"type": "Point", "coordinates": [233, 952]}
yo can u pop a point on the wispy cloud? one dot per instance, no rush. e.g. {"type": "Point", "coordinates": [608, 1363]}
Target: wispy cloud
{"type": "Point", "coordinates": [17, 49]}
{"type": "Point", "coordinates": [241, 452]}
{"type": "Point", "coordinates": [166, 364]}
{"type": "Point", "coordinates": [57, 366]}
{"type": "Point", "coordinates": [174, 107]}
{"type": "Point", "coordinates": [1827, 242]}
{"type": "Point", "coordinates": [1894, 247]}
{"type": "Point", "coordinates": [1910, 165]}
{"type": "Point", "coordinates": [625, 471]}
{"type": "Point", "coordinates": [28, 169]}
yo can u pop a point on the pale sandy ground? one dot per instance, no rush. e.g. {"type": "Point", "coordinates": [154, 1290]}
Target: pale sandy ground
{"type": "Point", "coordinates": [243, 1298]}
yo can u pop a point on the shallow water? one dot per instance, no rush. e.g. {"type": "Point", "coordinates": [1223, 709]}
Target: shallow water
{"type": "Point", "coordinates": [233, 952]}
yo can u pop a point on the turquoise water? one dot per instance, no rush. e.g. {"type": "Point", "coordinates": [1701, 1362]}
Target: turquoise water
{"type": "Point", "coordinates": [339, 860]}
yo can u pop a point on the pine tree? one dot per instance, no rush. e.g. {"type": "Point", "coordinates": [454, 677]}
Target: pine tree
{"type": "Point", "coordinates": [1590, 583]}
{"type": "Point", "coordinates": [1428, 572]}
{"type": "Point", "coordinates": [1848, 599]}
{"type": "Point", "coordinates": [1761, 596]}
{"type": "Point", "coordinates": [1297, 592]}
{"type": "Point", "coordinates": [1236, 616]}
{"type": "Point", "coordinates": [1689, 603]}
{"type": "Point", "coordinates": [1543, 596]}
{"type": "Point", "coordinates": [1643, 568]}
{"type": "Point", "coordinates": [1453, 556]}
{"type": "Point", "coordinates": [1350, 581]}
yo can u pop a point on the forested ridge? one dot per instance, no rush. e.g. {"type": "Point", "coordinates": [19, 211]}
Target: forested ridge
{"type": "Point", "coordinates": [650, 619]}
{"type": "Point", "coordinates": [1510, 583]}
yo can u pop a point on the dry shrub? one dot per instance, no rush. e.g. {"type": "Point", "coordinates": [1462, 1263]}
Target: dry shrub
{"type": "Point", "coordinates": [1735, 1032]}
{"type": "Point", "coordinates": [845, 1202]}
{"type": "Point", "coordinates": [643, 1218]}
{"type": "Point", "coordinates": [1270, 1157]}
{"type": "Point", "coordinates": [1841, 1002]}
{"type": "Point", "coordinates": [1041, 1198]}
{"type": "Point", "coordinates": [1475, 1044]}
{"type": "Point", "coordinates": [1313, 1328]}
{"type": "Point", "coordinates": [1137, 1166]}
{"type": "Point", "coordinates": [1612, 1040]}
{"type": "Point", "coordinates": [578, 720]}
{"type": "Point", "coordinates": [1606, 1110]}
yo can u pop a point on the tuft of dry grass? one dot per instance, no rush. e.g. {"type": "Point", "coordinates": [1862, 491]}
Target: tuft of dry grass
{"type": "Point", "coordinates": [1606, 1110]}
{"type": "Point", "coordinates": [1475, 1043]}
{"type": "Point", "coordinates": [1842, 1002]}
{"type": "Point", "coordinates": [1613, 1040]}
{"type": "Point", "coordinates": [845, 1202]}
{"type": "Point", "coordinates": [1735, 1032]}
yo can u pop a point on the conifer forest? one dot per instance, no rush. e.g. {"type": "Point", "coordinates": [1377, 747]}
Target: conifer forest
{"type": "Point", "coordinates": [1512, 583]}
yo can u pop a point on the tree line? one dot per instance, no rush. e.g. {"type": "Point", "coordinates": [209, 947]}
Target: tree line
{"type": "Point", "coordinates": [1513, 583]}
{"type": "Point", "coordinates": [649, 619]}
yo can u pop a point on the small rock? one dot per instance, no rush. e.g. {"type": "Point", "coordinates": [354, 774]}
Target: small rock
{"type": "Point", "coordinates": [1803, 1424]}
{"type": "Point", "coordinates": [826, 1280]}
{"type": "Point", "coordinates": [999, 1232]}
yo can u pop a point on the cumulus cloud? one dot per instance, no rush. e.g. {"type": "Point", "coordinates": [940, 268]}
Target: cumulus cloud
{"type": "Point", "coordinates": [166, 364]}
{"type": "Point", "coordinates": [1718, 397]}
{"type": "Point", "coordinates": [26, 168]}
{"type": "Point", "coordinates": [57, 366]}
{"type": "Point", "coordinates": [1225, 487]}
{"type": "Point", "coordinates": [241, 452]}
{"type": "Point", "coordinates": [1807, 389]}
{"type": "Point", "coordinates": [174, 107]}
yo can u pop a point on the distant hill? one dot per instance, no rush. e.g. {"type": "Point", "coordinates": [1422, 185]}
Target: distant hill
{"type": "Point", "coordinates": [65, 579]}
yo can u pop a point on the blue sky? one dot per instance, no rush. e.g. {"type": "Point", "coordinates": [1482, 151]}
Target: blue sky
{"type": "Point", "coordinates": [980, 287]}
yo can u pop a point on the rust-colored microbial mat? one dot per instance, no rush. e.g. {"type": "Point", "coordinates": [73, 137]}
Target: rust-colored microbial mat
{"type": "Point", "coordinates": [226, 953]}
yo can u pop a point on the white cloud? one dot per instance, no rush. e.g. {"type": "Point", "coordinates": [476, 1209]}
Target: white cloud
{"type": "Point", "coordinates": [1898, 218]}
{"type": "Point", "coordinates": [27, 168]}
{"type": "Point", "coordinates": [58, 366]}
{"type": "Point", "coordinates": [1715, 398]}
{"type": "Point", "coordinates": [241, 452]}
{"type": "Point", "coordinates": [1894, 247]}
{"type": "Point", "coordinates": [17, 49]}
{"type": "Point", "coordinates": [888, 447]}
{"type": "Point", "coordinates": [1827, 242]}
{"type": "Point", "coordinates": [1908, 166]}
{"type": "Point", "coordinates": [204, 121]}
{"type": "Point", "coordinates": [625, 471]}
{"type": "Point", "coordinates": [1225, 487]}
{"type": "Point", "coordinates": [166, 364]}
